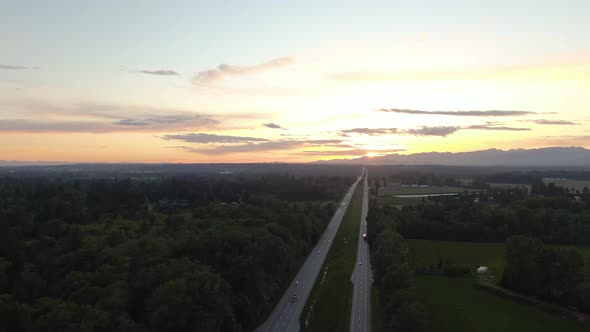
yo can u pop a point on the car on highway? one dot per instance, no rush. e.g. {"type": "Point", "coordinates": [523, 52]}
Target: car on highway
{"type": "Point", "coordinates": [360, 263]}
{"type": "Point", "coordinates": [297, 282]}
{"type": "Point", "coordinates": [294, 298]}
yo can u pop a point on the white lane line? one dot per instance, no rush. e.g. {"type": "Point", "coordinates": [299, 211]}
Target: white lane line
{"type": "Point", "coordinates": [288, 310]}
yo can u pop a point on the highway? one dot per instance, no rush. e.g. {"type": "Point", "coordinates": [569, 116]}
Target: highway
{"type": "Point", "coordinates": [362, 275]}
{"type": "Point", "coordinates": [285, 316]}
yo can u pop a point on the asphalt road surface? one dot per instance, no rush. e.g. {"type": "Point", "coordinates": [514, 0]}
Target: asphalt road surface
{"type": "Point", "coordinates": [362, 275]}
{"type": "Point", "coordinates": [285, 316]}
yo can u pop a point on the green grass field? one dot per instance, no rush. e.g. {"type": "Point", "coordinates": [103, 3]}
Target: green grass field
{"type": "Point", "coordinates": [576, 184]}
{"type": "Point", "coordinates": [426, 252]}
{"type": "Point", "coordinates": [331, 296]}
{"type": "Point", "coordinates": [455, 305]}
{"type": "Point", "coordinates": [421, 190]}
{"type": "Point", "coordinates": [509, 185]}
{"type": "Point", "coordinates": [387, 197]}
{"type": "Point", "coordinates": [391, 200]}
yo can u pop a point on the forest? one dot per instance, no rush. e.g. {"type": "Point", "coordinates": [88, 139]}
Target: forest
{"type": "Point", "coordinates": [393, 274]}
{"type": "Point", "coordinates": [548, 212]}
{"type": "Point", "coordinates": [529, 220]}
{"type": "Point", "coordinates": [190, 253]}
{"type": "Point", "coordinates": [557, 275]}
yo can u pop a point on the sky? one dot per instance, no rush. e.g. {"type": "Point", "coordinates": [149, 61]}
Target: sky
{"type": "Point", "coordinates": [293, 81]}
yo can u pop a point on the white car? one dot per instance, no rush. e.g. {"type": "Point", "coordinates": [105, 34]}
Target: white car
{"type": "Point", "coordinates": [297, 282]}
{"type": "Point", "coordinates": [360, 263]}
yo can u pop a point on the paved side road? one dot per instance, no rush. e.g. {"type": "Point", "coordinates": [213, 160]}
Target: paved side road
{"type": "Point", "coordinates": [285, 316]}
{"type": "Point", "coordinates": [362, 275]}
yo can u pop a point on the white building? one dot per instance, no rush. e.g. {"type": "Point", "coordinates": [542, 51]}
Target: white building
{"type": "Point", "coordinates": [482, 269]}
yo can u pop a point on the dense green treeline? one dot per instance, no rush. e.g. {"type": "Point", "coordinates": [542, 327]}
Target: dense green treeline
{"type": "Point", "coordinates": [177, 254]}
{"type": "Point", "coordinates": [393, 273]}
{"type": "Point", "coordinates": [493, 216]}
{"type": "Point", "coordinates": [548, 273]}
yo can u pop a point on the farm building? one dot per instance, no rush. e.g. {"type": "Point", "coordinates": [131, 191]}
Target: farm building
{"type": "Point", "coordinates": [482, 269]}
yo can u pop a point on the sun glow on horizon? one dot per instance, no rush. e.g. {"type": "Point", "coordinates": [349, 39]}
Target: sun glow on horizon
{"type": "Point", "coordinates": [312, 93]}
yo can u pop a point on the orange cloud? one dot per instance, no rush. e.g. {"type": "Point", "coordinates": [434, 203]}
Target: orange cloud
{"type": "Point", "coordinates": [225, 70]}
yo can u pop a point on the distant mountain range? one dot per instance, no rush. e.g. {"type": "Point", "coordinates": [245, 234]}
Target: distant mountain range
{"type": "Point", "coordinates": [543, 157]}
{"type": "Point", "coordinates": [18, 163]}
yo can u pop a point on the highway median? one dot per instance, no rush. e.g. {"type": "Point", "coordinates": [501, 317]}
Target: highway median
{"type": "Point", "coordinates": [328, 307]}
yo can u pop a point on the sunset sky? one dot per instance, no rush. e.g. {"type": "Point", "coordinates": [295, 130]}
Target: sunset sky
{"type": "Point", "coordinates": [294, 81]}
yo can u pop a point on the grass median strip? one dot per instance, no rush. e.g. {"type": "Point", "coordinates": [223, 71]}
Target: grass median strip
{"type": "Point", "coordinates": [376, 312]}
{"type": "Point", "coordinates": [328, 306]}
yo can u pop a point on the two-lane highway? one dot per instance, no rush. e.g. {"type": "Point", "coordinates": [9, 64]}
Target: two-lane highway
{"type": "Point", "coordinates": [362, 275]}
{"type": "Point", "coordinates": [285, 316]}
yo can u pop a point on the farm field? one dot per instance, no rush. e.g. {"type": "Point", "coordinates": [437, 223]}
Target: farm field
{"type": "Point", "coordinates": [391, 200]}
{"type": "Point", "coordinates": [470, 307]}
{"type": "Point", "coordinates": [576, 184]}
{"type": "Point", "coordinates": [427, 252]}
{"type": "Point", "coordinates": [455, 305]}
{"type": "Point", "coordinates": [474, 254]}
{"type": "Point", "coordinates": [509, 185]}
{"type": "Point", "coordinates": [417, 190]}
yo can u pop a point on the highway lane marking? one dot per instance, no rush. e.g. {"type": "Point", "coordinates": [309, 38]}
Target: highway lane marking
{"type": "Point", "coordinates": [361, 273]}
{"type": "Point", "coordinates": [323, 256]}
{"type": "Point", "coordinates": [287, 309]}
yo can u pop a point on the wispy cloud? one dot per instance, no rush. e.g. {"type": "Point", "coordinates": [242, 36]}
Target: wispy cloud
{"type": "Point", "coordinates": [225, 70]}
{"type": "Point", "coordinates": [458, 113]}
{"type": "Point", "coordinates": [422, 131]}
{"type": "Point", "coordinates": [491, 127]}
{"type": "Point", "coordinates": [248, 144]}
{"type": "Point", "coordinates": [273, 126]}
{"type": "Point", "coordinates": [322, 141]}
{"type": "Point", "coordinates": [94, 126]}
{"type": "Point", "coordinates": [97, 118]}
{"type": "Point", "coordinates": [442, 131]}
{"type": "Point", "coordinates": [248, 147]}
{"type": "Point", "coordinates": [160, 72]}
{"type": "Point", "coordinates": [130, 122]}
{"type": "Point", "coordinates": [13, 67]}
{"type": "Point", "coordinates": [370, 131]}
{"type": "Point", "coordinates": [553, 122]}
{"type": "Point", "coordinates": [45, 126]}
{"type": "Point", "coordinates": [433, 131]}
{"type": "Point", "coordinates": [204, 138]}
